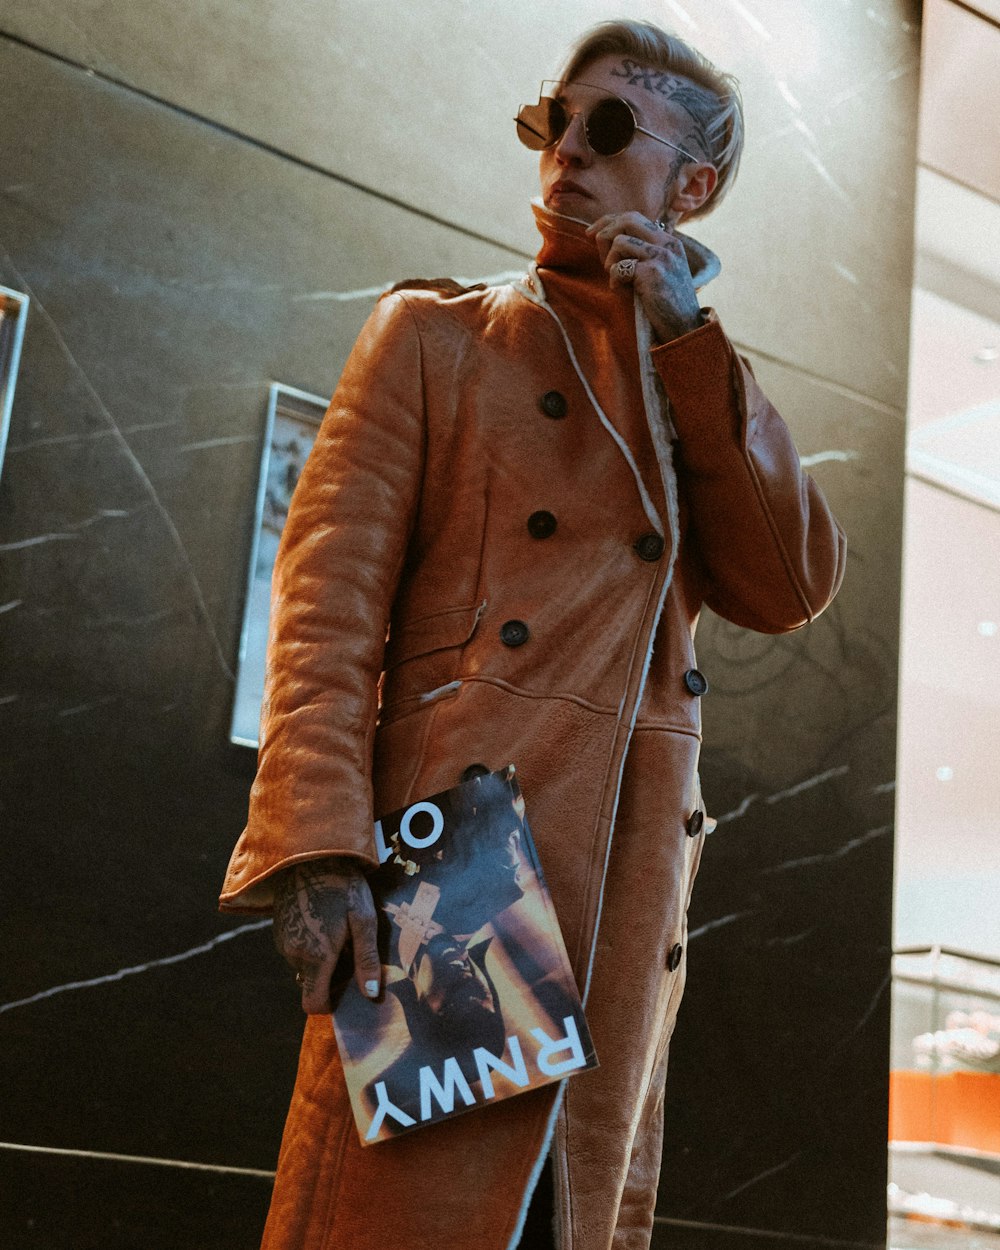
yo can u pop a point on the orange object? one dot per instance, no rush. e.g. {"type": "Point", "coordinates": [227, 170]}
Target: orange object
{"type": "Point", "coordinates": [972, 1100]}
{"type": "Point", "coordinates": [911, 1106]}
{"type": "Point", "coordinates": [950, 1108]}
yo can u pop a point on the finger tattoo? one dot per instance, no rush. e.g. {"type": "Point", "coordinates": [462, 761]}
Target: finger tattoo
{"type": "Point", "coordinates": [291, 929]}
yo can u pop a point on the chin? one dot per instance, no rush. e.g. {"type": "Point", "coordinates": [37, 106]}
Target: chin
{"type": "Point", "coordinates": [573, 206]}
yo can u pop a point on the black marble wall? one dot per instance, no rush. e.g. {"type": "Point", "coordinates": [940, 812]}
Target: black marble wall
{"type": "Point", "coordinates": [776, 1100]}
{"type": "Point", "coordinates": [174, 270]}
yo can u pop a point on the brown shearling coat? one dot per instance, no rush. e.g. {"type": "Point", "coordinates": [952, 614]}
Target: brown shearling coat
{"type": "Point", "coordinates": [455, 420]}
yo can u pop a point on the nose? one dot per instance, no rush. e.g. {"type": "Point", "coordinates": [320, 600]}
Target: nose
{"type": "Point", "coordinates": [573, 148]}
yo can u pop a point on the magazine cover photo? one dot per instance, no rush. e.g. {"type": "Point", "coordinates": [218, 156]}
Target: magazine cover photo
{"type": "Point", "coordinates": [479, 1002]}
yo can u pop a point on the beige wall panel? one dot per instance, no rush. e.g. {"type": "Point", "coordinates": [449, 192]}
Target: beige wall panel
{"type": "Point", "coordinates": [415, 99]}
{"type": "Point", "coordinates": [959, 132]}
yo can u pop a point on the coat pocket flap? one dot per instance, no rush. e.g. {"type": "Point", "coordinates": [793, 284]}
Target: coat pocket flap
{"type": "Point", "coordinates": [451, 628]}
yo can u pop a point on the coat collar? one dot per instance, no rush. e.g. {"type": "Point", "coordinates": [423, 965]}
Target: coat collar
{"type": "Point", "coordinates": [567, 249]}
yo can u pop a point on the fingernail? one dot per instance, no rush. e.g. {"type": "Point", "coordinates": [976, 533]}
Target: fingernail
{"type": "Point", "coordinates": [371, 989]}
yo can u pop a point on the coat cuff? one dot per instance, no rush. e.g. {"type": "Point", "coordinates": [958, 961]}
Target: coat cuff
{"type": "Point", "coordinates": [697, 374]}
{"type": "Point", "coordinates": [250, 882]}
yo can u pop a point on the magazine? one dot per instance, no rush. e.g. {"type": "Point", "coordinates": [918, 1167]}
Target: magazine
{"type": "Point", "coordinates": [479, 1002]}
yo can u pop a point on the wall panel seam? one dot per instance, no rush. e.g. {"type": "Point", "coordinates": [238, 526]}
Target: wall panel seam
{"type": "Point", "coordinates": [260, 144]}
{"type": "Point", "coordinates": [106, 1156]}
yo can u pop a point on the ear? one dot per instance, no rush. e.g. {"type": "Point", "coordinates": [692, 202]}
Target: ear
{"type": "Point", "coordinates": [693, 187]}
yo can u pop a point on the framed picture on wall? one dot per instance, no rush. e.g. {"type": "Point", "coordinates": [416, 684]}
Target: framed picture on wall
{"type": "Point", "coordinates": [293, 419]}
{"type": "Point", "coordinates": [13, 318]}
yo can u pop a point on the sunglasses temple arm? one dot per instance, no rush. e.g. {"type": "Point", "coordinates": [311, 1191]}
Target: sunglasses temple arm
{"type": "Point", "coordinates": [660, 139]}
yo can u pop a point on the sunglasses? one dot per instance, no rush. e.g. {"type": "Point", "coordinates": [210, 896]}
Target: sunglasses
{"type": "Point", "coordinates": [609, 124]}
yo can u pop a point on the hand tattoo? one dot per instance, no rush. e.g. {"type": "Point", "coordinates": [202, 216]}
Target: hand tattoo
{"type": "Point", "coordinates": [312, 902]}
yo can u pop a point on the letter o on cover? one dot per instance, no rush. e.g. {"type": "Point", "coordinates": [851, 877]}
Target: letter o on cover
{"type": "Point", "coordinates": [437, 828]}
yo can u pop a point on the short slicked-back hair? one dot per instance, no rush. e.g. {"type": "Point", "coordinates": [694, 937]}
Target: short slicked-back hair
{"type": "Point", "coordinates": [648, 45]}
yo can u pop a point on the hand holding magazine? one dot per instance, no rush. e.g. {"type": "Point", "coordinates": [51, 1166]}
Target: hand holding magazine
{"type": "Point", "coordinates": [479, 1002]}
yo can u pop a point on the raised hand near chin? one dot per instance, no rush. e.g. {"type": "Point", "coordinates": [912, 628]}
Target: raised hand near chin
{"type": "Point", "coordinates": [649, 257]}
{"type": "Point", "coordinates": [318, 906]}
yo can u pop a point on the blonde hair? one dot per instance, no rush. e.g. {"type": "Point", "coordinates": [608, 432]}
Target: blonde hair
{"type": "Point", "coordinates": [650, 46]}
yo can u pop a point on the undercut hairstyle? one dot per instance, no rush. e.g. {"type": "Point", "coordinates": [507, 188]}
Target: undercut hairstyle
{"type": "Point", "coordinates": [720, 128]}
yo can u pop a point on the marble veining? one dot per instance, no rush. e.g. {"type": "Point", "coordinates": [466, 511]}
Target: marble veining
{"type": "Point", "coordinates": [818, 780]}
{"type": "Point", "coordinates": [848, 274]}
{"type": "Point", "coordinates": [808, 784]}
{"type": "Point", "coordinates": [752, 20]}
{"type": "Point", "coordinates": [227, 440]}
{"type": "Point", "coordinates": [90, 435]}
{"type": "Point", "coordinates": [786, 95]}
{"type": "Point", "coordinates": [37, 539]}
{"type": "Point", "coordinates": [879, 18]}
{"type": "Point", "coordinates": [806, 861]}
{"type": "Point", "coordinates": [812, 156]}
{"type": "Point", "coordinates": [114, 1157]}
{"type": "Point", "coordinates": [738, 811]}
{"type": "Point", "coordinates": [909, 65]}
{"type": "Point", "coordinates": [88, 707]}
{"type": "Point", "coordinates": [761, 1176]}
{"type": "Point", "coordinates": [683, 14]}
{"type": "Point", "coordinates": [791, 939]}
{"type": "Point", "coordinates": [866, 1015]}
{"type": "Point", "coordinates": [140, 472]}
{"type": "Point", "coordinates": [120, 622]}
{"type": "Point", "coordinates": [718, 923]}
{"type": "Point", "coordinates": [202, 949]}
{"type": "Point", "coordinates": [94, 55]}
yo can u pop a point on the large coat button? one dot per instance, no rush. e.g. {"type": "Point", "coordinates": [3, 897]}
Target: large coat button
{"type": "Point", "coordinates": [695, 823]}
{"type": "Point", "coordinates": [541, 525]}
{"type": "Point", "coordinates": [696, 681]}
{"type": "Point", "coordinates": [473, 771]}
{"type": "Point", "coordinates": [514, 633]}
{"type": "Point", "coordinates": [649, 547]}
{"type": "Point", "coordinates": [553, 404]}
{"type": "Point", "coordinates": [675, 956]}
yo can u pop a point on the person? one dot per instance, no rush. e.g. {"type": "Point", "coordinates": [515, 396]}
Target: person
{"type": "Point", "coordinates": [533, 488]}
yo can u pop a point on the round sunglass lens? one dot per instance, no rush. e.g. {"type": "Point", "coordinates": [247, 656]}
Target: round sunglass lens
{"type": "Point", "coordinates": [610, 127]}
{"type": "Point", "coordinates": [542, 124]}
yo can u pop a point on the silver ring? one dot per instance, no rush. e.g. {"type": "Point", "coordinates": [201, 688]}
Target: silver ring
{"type": "Point", "coordinates": [626, 268]}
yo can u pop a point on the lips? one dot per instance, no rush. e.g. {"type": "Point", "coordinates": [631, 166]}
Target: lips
{"type": "Point", "coordinates": [566, 186]}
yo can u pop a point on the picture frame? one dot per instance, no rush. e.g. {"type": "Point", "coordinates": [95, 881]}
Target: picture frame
{"type": "Point", "coordinates": [293, 420]}
{"type": "Point", "coordinates": [13, 319]}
